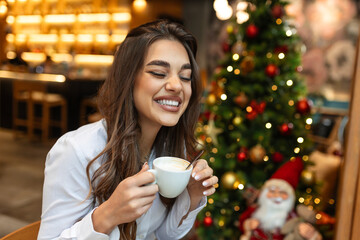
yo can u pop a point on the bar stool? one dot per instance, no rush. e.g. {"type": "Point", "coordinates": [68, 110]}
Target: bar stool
{"type": "Point", "coordinates": [32, 93]}
{"type": "Point", "coordinates": [89, 111]}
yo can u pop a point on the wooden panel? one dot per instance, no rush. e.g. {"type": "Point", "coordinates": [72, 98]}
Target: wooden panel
{"type": "Point", "coordinates": [356, 222]}
{"type": "Point", "coordinates": [348, 209]}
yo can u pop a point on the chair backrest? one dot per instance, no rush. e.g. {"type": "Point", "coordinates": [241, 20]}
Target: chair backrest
{"type": "Point", "coordinates": [25, 87]}
{"type": "Point", "coordinates": [29, 232]}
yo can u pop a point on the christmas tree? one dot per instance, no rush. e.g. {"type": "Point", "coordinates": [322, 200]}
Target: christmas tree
{"type": "Point", "coordinates": [256, 116]}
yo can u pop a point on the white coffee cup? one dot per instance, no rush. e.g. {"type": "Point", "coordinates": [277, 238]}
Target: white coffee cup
{"type": "Point", "coordinates": [170, 175]}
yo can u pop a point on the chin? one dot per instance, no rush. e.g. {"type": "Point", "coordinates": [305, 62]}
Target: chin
{"type": "Point", "coordinates": [169, 123]}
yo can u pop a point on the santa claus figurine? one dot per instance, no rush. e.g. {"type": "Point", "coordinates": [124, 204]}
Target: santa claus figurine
{"type": "Point", "coordinates": [275, 209]}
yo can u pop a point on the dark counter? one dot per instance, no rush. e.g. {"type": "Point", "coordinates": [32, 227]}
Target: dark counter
{"type": "Point", "coordinates": [74, 90]}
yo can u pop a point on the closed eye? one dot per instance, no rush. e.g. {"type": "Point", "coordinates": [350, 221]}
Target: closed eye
{"type": "Point", "coordinates": [185, 78]}
{"type": "Point", "coordinates": [157, 74]}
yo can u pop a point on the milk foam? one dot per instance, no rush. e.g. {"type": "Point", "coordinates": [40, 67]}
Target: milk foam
{"type": "Point", "coordinates": [173, 165]}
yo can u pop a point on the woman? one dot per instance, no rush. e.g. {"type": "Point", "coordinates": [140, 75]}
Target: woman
{"type": "Point", "coordinates": [96, 180]}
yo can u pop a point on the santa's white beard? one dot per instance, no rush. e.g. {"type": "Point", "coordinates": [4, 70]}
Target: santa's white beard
{"type": "Point", "coordinates": [272, 215]}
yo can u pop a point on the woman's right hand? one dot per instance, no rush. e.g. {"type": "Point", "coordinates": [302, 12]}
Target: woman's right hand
{"type": "Point", "coordinates": [131, 199]}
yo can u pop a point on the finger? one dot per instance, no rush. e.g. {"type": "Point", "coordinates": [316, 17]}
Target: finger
{"type": "Point", "coordinates": [144, 208]}
{"type": "Point", "coordinates": [142, 201]}
{"type": "Point", "coordinates": [209, 191]}
{"type": "Point", "coordinates": [211, 181]}
{"type": "Point", "coordinates": [149, 190]}
{"type": "Point", "coordinates": [199, 165]}
{"type": "Point", "coordinates": [144, 178]}
{"type": "Point", "coordinates": [203, 174]}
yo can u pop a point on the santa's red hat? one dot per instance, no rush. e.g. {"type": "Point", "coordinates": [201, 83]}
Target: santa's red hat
{"type": "Point", "coordinates": [287, 176]}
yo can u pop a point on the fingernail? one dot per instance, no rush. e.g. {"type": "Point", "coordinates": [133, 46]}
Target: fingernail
{"type": "Point", "coordinates": [197, 177]}
{"type": "Point", "coordinates": [204, 193]}
{"type": "Point", "coordinates": [205, 184]}
{"type": "Point", "coordinates": [193, 175]}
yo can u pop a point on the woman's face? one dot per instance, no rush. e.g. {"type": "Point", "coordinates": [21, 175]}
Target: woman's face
{"type": "Point", "coordinates": [163, 85]}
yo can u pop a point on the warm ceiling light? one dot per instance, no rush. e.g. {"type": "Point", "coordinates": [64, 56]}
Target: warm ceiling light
{"type": "Point", "coordinates": [61, 57]}
{"type": "Point", "coordinates": [102, 38]}
{"type": "Point", "coordinates": [92, 59]}
{"type": "Point", "coordinates": [28, 19]}
{"type": "Point", "coordinates": [33, 57]}
{"type": "Point", "coordinates": [67, 38]}
{"type": "Point", "coordinates": [10, 20]}
{"type": "Point", "coordinates": [3, 8]}
{"type": "Point", "coordinates": [60, 18]}
{"type": "Point", "coordinates": [43, 38]}
{"type": "Point", "coordinates": [139, 5]}
{"type": "Point", "coordinates": [97, 17]}
{"type": "Point", "coordinates": [121, 17]}
{"type": "Point", "coordinates": [118, 38]}
{"type": "Point", "coordinates": [85, 38]}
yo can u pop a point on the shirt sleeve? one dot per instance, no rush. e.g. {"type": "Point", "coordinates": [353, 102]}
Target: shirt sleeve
{"type": "Point", "coordinates": [170, 229]}
{"type": "Point", "coordinates": [66, 210]}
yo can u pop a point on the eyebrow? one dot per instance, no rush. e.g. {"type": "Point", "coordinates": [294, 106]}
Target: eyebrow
{"type": "Point", "coordinates": [167, 65]}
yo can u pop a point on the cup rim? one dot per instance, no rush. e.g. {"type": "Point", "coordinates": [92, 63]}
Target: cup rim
{"type": "Point", "coordinates": [175, 171]}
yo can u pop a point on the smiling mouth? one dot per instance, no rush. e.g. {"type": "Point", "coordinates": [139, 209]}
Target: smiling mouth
{"type": "Point", "coordinates": [171, 103]}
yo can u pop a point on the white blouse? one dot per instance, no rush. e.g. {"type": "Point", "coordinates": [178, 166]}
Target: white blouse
{"type": "Point", "coordinates": [66, 212]}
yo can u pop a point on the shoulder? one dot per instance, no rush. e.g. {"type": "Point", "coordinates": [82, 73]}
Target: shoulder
{"type": "Point", "coordinates": [84, 143]}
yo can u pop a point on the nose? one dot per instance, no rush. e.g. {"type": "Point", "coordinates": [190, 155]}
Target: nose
{"type": "Point", "coordinates": [173, 84]}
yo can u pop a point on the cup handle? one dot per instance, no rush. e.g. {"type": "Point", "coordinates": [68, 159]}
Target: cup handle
{"type": "Point", "coordinates": [153, 171]}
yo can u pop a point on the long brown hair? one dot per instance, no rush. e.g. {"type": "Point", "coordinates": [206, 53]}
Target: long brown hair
{"type": "Point", "coordinates": [121, 156]}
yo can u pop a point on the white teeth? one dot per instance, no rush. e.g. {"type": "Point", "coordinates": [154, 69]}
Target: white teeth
{"type": "Point", "coordinates": [168, 102]}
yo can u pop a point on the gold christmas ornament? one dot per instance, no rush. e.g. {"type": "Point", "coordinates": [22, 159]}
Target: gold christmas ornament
{"type": "Point", "coordinates": [211, 99]}
{"type": "Point", "coordinates": [247, 65]}
{"type": "Point", "coordinates": [308, 177]}
{"type": "Point", "coordinates": [257, 154]}
{"type": "Point", "coordinates": [228, 180]}
{"type": "Point", "coordinates": [237, 121]}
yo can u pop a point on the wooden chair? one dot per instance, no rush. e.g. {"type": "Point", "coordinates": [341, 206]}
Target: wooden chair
{"type": "Point", "coordinates": [33, 93]}
{"type": "Point", "coordinates": [29, 232]}
{"type": "Point", "coordinates": [89, 111]}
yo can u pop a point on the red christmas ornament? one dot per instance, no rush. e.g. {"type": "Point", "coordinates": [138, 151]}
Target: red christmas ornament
{"type": "Point", "coordinates": [277, 157]}
{"type": "Point", "coordinates": [252, 31]}
{"type": "Point", "coordinates": [277, 11]}
{"type": "Point", "coordinates": [242, 155]}
{"type": "Point", "coordinates": [271, 70]}
{"type": "Point", "coordinates": [285, 129]}
{"type": "Point", "coordinates": [225, 47]}
{"type": "Point", "coordinates": [208, 221]}
{"type": "Point", "coordinates": [251, 115]}
{"type": "Point", "coordinates": [258, 107]}
{"type": "Point", "coordinates": [281, 49]}
{"type": "Point", "coordinates": [303, 106]}
{"type": "Point", "coordinates": [205, 116]}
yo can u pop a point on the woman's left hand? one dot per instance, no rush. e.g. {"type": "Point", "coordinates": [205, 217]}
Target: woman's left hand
{"type": "Point", "coordinates": [201, 182]}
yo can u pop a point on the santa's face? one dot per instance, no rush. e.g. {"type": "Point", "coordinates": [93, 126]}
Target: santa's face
{"type": "Point", "coordinates": [275, 205]}
{"type": "Point", "coordinates": [276, 194]}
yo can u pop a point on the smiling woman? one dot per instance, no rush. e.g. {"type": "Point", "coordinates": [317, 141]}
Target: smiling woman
{"type": "Point", "coordinates": [163, 86]}
{"type": "Point", "coordinates": [95, 184]}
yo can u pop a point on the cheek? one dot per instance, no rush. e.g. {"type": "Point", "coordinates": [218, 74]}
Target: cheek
{"type": "Point", "coordinates": [269, 195]}
{"type": "Point", "coordinates": [187, 92]}
{"type": "Point", "coordinates": [284, 196]}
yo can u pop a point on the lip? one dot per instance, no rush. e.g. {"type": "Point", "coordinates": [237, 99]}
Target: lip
{"type": "Point", "coordinates": [167, 107]}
